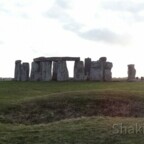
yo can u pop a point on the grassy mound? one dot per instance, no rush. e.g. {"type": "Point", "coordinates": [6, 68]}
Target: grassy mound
{"type": "Point", "coordinates": [71, 113]}
{"type": "Point", "coordinates": [69, 105]}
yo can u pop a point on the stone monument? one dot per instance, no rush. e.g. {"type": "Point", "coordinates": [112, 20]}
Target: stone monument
{"type": "Point", "coordinates": [131, 72]}
{"type": "Point", "coordinates": [79, 74]}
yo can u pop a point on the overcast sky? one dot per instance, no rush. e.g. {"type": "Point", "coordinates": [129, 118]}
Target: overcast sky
{"type": "Point", "coordinates": [85, 28]}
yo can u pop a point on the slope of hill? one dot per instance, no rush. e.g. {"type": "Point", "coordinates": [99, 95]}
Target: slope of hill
{"type": "Point", "coordinates": [71, 112]}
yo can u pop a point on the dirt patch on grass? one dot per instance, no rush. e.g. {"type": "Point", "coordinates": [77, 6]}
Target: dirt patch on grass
{"type": "Point", "coordinates": [45, 110]}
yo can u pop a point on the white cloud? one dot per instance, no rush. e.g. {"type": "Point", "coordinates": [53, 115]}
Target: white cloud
{"type": "Point", "coordinates": [62, 3]}
{"type": "Point", "coordinates": [105, 36]}
{"type": "Point", "coordinates": [69, 22]}
{"type": "Point", "coordinates": [122, 5]}
{"type": "Point", "coordinates": [85, 28]}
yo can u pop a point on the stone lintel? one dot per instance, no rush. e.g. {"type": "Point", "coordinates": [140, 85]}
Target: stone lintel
{"type": "Point", "coordinates": [39, 59]}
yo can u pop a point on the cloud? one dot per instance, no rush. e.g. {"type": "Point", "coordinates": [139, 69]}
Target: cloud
{"type": "Point", "coordinates": [99, 35]}
{"type": "Point", "coordinates": [121, 5]}
{"type": "Point", "coordinates": [13, 9]}
{"type": "Point", "coordinates": [129, 11]}
{"type": "Point", "coordinates": [105, 36]}
{"type": "Point", "coordinates": [93, 35]}
{"type": "Point", "coordinates": [73, 26]}
{"type": "Point", "coordinates": [59, 12]}
{"type": "Point", "coordinates": [22, 4]}
{"type": "Point", "coordinates": [3, 9]}
{"type": "Point", "coordinates": [63, 4]}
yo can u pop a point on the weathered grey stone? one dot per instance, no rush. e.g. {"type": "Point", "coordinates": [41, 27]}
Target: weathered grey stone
{"type": "Point", "coordinates": [35, 72]}
{"type": "Point", "coordinates": [101, 70]}
{"type": "Point", "coordinates": [102, 62]}
{"type": "Point", "coordinates": [62, 71]}
{"type": "Point", "coordinates": [41, 59]}
{"type": "Point", "coordinates": [107, 71]}
{"type": "Point", "coordinates": [55, 68]}
{"type": "Point", "coordinates": [17, 75]}
{"type": "Point", "coordinates": [45, 69]}
{"type": "Point", "coordinates": [96, 73]}
{"type": "Point", "coordinates": [102, 59]}
{"type": "Point", "coordinates": [108, 65]}
{"type": "Point", "coordinates": [41, 69]}
{"type": "Point", "coordinates": [25, 72]}
{"type": "Point", "coordinates": [87, 67]}
{"type": "Point", "coordinates": [131, 72]}
{"type": "Point", "coordinates": [79, 71]}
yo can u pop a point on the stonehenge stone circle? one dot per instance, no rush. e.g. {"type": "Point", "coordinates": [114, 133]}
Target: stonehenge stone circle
{"type": "Point", "coordinates": [45, 69]}
{"type": "Point", "coordinates": [87, 67]}
{"type": "Point", "coordinates": [101, 70]}
{"type": "Point", "coordinates": [131, 72]}
{"type": "Point", "coordinates": [96, 74]}
{"type": "Point", "coordinates": [62, 71]}
{"type": "Point", "coordinates": [79, 73]}
{"type": "Point", "coordinates": [25, 72]}
{"type": "Point", "coordinates": [55, 68]}
{"type": "Point", "coordinates": [21, 71]}
{"type": "Point", "coordinates": [107, 71]}
{"type": "Point", "coordinates": [35, 72]}
{"type": "Point", "coordinates": [17, 75]}
{"type": "Point", "coordinates": [57, 59]}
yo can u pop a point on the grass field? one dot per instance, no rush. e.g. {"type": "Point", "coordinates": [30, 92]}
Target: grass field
{"type": "Point", "coordinates": [71, 113]}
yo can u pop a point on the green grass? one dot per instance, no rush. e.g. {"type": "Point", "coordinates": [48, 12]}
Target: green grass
{"type": "Point", "coordinates": [94, 130]}
{"type": "Point", "coordinates": [70, 112]}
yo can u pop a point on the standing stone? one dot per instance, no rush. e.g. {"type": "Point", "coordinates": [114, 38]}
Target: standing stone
{"type": "Point", "coordinates": [101, 70]}
{"type": "Point", "coordinates": [96, 73]}
{"type": "Point", "coordinates": [17, 76]}
{"type": "Point", "coordinates": [62, 71]}
{"type": "Point", "coordinates": [87, 67]}
{"type": "Point", "coordinates": [102, 59]}
{"type": "Point", "coordinates": [55, 68]}
{"type": "Point", "coordinates": [45, 68]}
{"type": "Point", "coordinates": [107, 71]}
{"type": "Point", "coordinates": [131, 72]}
{"type": "Point", "coordinates": [79, 71]}
{"type": "Point", "coordinates": [102, 62]}
{"type": "Point", "coordinates": [25, 72]}
{"type": "Point", "coordinates": [35, 71]}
